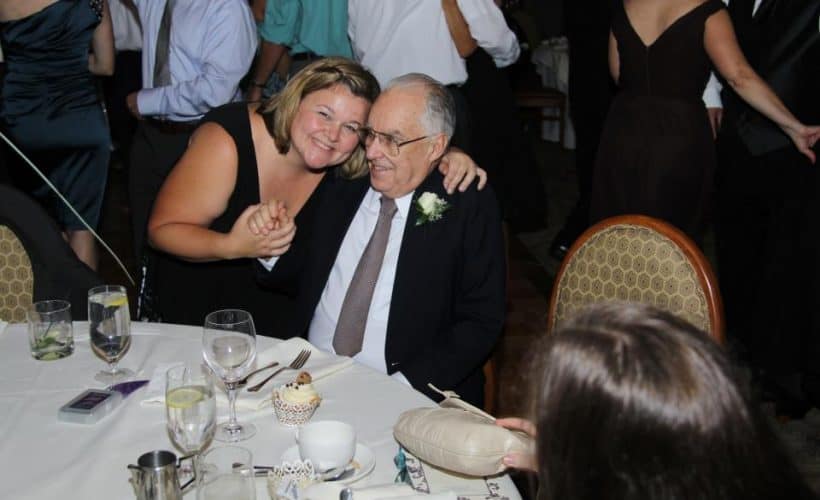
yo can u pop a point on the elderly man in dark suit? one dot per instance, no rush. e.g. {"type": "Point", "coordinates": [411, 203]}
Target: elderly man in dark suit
{"type": "Point", "coordinates": [402, 276]}
{"type": "Point", "coordinates": [767, 201]}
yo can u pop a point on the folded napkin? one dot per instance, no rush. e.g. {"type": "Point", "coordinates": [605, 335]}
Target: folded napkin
{"type": "Point", "coordinates": [330, 491]}
{"type": "Point", "coordinates": [320, 365]}
{"type": "Point", "coordinates": [3, 326]}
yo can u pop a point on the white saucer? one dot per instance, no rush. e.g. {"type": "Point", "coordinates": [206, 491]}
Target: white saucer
{"type": "Point", "coordinates": [363, 456]}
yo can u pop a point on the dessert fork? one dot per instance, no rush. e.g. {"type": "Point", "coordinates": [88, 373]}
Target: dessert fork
{"type": "Point", "coordinates": [297, 363]}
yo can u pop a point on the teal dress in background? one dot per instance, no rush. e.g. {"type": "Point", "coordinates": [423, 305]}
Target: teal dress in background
{"type": "Point", "coordinates": [50, 107]}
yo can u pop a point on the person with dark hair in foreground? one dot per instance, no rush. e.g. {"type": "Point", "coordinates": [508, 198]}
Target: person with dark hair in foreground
{"type": "Point", "coordinates": [634, 403]}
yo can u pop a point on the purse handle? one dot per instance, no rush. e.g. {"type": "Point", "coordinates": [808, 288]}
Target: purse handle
{"type": "Point", "coordinates": [453, 400]}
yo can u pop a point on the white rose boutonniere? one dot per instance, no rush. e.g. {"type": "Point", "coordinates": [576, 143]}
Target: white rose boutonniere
{"type": "Point", "coordinates": [430, 208]}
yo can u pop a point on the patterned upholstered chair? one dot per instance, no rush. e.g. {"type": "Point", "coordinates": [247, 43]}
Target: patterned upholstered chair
{"type": "Point", "coordinates": [16, 277]}
{"type": "Point", "coordinates": [35, 262]}
{"type": "Point", "coordinates": [638, 259]}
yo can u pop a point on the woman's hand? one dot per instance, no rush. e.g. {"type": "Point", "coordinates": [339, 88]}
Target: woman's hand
{"type": "Point", "coordinates": [268, 241]}
{"type": "Point", "coordinates": [804, 139]}
{"type": "Point", "coordinates": [267, 217]}
{"type": "Point", "coordinates": [460, 170]}
{"type": "Point", "coordinates": [518, 460]}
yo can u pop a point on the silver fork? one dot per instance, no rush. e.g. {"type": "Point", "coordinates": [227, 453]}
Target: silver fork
{"type": "Point", "coordinates": [297, 363]}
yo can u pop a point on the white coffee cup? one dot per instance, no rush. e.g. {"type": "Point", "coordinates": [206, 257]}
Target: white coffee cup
{"type": "Point", "coordinates": [328, 443]}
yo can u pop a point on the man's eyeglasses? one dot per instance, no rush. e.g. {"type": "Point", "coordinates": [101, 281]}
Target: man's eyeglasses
{"type": "Point", "coordinates": [389, 142]}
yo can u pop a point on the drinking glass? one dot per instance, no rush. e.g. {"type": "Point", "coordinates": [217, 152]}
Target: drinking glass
{"type": "Point", "coordinates": [227, 473]}
{"type": "Point", "coordinates": [110, 330]}
{"type": "Point", "coordinates": [50, 332]}
{"type": "Point", "coordinates": [229, 347]}
{"type": "Point", "coordinates": [191, 408]}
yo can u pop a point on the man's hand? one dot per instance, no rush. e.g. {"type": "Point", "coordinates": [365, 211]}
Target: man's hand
{"type": "Point", "coordinates": [460, 170]}
{"type": "Point", "coordinates": [269, 243]}
{"type": "Point", "coordinates": [715, 118]}
{"type": "Point", "coordinates": [268, 217]}
{"type": "Point", "coordinates": [131, 104]}
{"type": "Point", "coordinates": [518, 460]}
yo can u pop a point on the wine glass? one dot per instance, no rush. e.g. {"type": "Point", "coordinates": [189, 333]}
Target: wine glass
{"type": "Point", "coordinates": [229, 347]}
{"type": "Point", "coordinates": [191, 408]}
{"type": "Point", "coordinates": [227, 473]}
{"type": "Point", "coordinates": [110, 330]}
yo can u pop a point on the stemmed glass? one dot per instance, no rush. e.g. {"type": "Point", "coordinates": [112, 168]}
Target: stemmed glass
{"type": "Point", "coordinates": [229, 347]}
{"type": "Point", "coordinates": [110, 330]}
{"type": "Point", "coordinates": [191, 408]}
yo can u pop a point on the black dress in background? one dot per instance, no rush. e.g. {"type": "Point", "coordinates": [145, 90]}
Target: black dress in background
{"type": "Point", "coordinates": [657, 153]}
{"type": "Point", "coordinates": [50, 108]}
{"type": "Point", "coordinates": [187, 291]}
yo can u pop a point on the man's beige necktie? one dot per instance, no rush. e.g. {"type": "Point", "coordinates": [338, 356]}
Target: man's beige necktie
{"type": "Point", "coordinates": [162, 73]}
{"type": "Point", "coordinates": [347, 339]}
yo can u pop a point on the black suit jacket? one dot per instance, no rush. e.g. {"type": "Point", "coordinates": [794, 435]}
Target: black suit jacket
{"type": "Point", "coordinates": [447, 307]}
{"type": "Point", "coordinates": [782, 43]}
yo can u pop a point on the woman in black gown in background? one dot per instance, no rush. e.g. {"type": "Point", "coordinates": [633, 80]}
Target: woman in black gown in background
{"type": "Point", "coordinates": [50, 108]}
{"type": "Point", "coordinates": [657, 154]}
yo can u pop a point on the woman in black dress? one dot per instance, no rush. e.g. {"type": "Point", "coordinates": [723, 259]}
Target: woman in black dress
{"type": "Point", "coordinates": [657, 154]}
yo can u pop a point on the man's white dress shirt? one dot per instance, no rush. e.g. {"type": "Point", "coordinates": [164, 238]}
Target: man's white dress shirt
{"type": "Point", "coordinates": [323, 325]}
{"type": "Point", "coordinates": [395, 37]}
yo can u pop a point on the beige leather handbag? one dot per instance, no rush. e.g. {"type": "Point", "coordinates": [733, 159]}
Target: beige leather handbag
{"type": "Point", "coordinates": [458, 437]}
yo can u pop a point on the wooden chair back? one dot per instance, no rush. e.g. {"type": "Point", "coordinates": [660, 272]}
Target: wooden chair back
{"type": "Point", "coordinates": [636, 258]}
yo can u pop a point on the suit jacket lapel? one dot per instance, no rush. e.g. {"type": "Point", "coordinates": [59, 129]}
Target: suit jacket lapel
{"type": "Point", "coordinates": [785, 35]}
{"type": "Point", "coordinates": [418, 247]}
{"type": "Point", "coordinates": [763, 10]}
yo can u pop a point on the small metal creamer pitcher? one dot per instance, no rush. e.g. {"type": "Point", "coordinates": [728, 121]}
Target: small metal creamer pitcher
{"type": "Point", "coordinates": [155, 476]}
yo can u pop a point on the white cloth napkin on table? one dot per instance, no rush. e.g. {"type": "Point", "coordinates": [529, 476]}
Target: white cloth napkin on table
{"type": "Point", "coordinates": [330, 491]}
{"type": "Point", "coordinates": [3, 326]}
{"type": "Point", "coordinates": [320, 365]}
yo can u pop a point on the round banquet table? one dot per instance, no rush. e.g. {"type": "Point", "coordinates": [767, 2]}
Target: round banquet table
{"type": "Point", "coordinates": [43, 458]}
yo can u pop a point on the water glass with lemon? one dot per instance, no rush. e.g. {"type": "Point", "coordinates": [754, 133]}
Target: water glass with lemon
{"type": "Point", "coordinates": [190, 408]}
{"type": "Point", "coordinates": [110, 330]}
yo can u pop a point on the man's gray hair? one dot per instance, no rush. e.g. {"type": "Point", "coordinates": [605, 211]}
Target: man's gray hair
{"type": "Point", "coordinates": [440, 113]}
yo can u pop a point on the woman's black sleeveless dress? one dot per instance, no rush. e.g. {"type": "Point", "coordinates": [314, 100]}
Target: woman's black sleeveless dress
{"type": "Point", "coordinates": [50, 109]}
{"type": "Point", "coordinates": [657, 153]}
{"type": "Point", "coordinates": [187, 291]}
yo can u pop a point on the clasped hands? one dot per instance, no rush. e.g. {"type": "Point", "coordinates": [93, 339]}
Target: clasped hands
{"type": "Point", "coordinates": [265, 230]}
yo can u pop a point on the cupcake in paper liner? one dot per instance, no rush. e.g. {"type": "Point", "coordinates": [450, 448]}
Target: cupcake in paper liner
{"type": "Point", "coordinates": [295, 402]}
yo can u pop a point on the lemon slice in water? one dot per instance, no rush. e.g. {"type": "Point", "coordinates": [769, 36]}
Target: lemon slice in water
{"type": "Point", "coordinates": [116, 301]}
{"type": "Point", "coordinates": [184, 397]}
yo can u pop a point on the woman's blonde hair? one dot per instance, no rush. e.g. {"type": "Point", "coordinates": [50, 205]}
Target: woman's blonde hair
{"type": "Point", "coordinates": [279, 111]}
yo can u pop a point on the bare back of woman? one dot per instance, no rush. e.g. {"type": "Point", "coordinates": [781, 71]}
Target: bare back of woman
{"type": "Point", "coordinates": [651, 19]}
{"type": "Point", "coordinates": [11, 10]}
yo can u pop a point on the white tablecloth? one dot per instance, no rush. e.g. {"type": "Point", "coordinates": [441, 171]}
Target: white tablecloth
{"type": "Point", "coordinates": [551, 60]}
{"type": "Point", "coordinates": [42, 458]}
